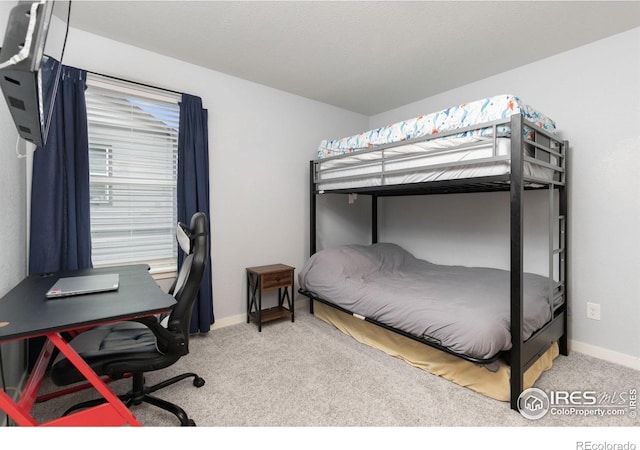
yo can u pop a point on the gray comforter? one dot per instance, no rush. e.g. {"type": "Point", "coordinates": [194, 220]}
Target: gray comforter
{"type": "Point", "coordinates": [465, 309]}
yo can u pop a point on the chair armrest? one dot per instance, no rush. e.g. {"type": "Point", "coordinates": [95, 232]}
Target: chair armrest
{"type": "Point", "coordinates": [167, 341]}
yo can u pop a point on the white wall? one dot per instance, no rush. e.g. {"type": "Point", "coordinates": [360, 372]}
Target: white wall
{"type": "Point", "coordinates": [593, 93]}
{"type": "Point", "coordinates": [261, 141]}
{"type": "Point", "coordinates": [13, 221]}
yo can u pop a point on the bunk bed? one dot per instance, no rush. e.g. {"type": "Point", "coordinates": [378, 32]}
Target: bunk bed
{"type": "Point", "coordinates": [494, 144]}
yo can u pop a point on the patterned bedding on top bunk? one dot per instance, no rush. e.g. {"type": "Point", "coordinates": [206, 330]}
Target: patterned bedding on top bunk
{"type": "Point", "coordinates": [464, 309]}
{"type": "Point", "coordinates": [461, 116]}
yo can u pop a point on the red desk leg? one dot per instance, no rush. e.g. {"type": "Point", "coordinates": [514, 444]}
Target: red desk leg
{"type": "Point", "coordinates": [113, 413]}
{"type": "Point", "coordinates": [88, 416]}
{"type": "Point", "coordinates": [16, 412]}
{"type": "Point", "coordinates": [20, 411]}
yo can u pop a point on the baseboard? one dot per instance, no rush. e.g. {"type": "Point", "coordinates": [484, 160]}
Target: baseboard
{"type": "Point", "coordinates": [242, 318]}
{"type": "Point", "coordinates": [605, 354]}
{"type": "Point", "coordinates": [228, 321]}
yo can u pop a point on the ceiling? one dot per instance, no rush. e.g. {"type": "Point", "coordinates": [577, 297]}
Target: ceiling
{"type": "Point", "coordinates": [363, 56]}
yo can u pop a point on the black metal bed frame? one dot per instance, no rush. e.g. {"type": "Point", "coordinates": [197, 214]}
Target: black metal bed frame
{"type": "Point", "coordinates": [546, 149]}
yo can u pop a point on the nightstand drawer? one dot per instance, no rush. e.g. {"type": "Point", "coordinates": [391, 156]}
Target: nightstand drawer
{"type": "Point", "coordinates": [277, 279]}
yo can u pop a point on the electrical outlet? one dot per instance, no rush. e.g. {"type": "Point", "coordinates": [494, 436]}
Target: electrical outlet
{"type": "Point", "coordinates": [593, 311]}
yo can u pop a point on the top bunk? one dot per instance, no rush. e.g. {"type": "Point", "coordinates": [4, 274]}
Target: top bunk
{"type": "Point", "coordinates": [479, 146]}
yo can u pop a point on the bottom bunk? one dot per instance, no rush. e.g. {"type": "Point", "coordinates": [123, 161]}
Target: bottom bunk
{"type": "Point", "coordinates": [454, 314]}
{"type": "Point", "coordinates": [493, 384]}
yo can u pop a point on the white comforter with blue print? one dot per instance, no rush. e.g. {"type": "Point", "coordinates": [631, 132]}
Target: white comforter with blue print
{"type": "Point", "coordinates": [456, 117]}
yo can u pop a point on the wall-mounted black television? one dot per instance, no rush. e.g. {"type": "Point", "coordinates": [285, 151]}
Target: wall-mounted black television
{"type": "Point", "coordinates": [30, 63]}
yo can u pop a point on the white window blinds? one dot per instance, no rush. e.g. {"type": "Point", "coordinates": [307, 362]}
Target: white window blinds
{"type": "Point", "coordinates": [133, 147]}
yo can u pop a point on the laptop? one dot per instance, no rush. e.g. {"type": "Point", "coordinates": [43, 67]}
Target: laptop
{"type": "Point", "coordinates": [87, 284]}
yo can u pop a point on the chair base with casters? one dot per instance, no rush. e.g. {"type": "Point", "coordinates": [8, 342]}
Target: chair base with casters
{"type": "Point", "coordinates": [141, 393]}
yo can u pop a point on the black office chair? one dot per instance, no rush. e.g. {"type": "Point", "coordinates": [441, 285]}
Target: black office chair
{"type": "Point", "coordinates": [146, 344]}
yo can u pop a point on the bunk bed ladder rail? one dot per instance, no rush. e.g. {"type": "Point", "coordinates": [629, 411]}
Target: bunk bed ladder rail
{"type": "Point", "coordinates": [516, 251]}
{"type": "Point", "coordinates": [524, 354]}
{"type": "Point", "coordinates": [557, 258]}
{"type": "Point", "coordinates": [554, 152]}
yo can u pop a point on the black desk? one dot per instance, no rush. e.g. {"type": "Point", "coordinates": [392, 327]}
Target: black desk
{"type": "Point", "coordinates": [25, 312]}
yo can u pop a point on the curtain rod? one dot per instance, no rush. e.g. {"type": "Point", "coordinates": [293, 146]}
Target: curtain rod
{"type": "Point", "coordinates": [134, 82]}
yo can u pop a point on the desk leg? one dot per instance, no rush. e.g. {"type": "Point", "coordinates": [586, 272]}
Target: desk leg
{"type": "Point", "coordinates": [112, 413]}
{"type": "Point", "coordinates": [115, 403]}
{"type": "Point", "coordinates": [20, 411]}
{"type": "Point", "coordinates": [19, 415]}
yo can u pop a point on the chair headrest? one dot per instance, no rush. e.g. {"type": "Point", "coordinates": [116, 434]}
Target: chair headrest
{"type": "Point", "coordinates": [187, 235]}
{"type": "Point", "coordinates": [183, 234]}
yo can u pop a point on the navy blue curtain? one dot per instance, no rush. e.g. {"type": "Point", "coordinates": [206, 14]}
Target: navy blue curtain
{"type": "Point", "coordinates": [193, 193]}
{"type": "Point", "coordinates": [60, 228]}
{"type": "Point", "coordinates": [60, 236]}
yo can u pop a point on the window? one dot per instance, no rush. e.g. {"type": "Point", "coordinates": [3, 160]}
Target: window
{"type": "Point", "coordinates": [133, 148]}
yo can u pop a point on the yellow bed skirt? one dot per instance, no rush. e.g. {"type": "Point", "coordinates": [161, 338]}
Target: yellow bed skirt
{"type": "Point", "coordinates": [492, 384]}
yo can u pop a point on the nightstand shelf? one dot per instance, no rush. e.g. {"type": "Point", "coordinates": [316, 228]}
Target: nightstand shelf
{"type": "Point", "coordinates": [265, 278]}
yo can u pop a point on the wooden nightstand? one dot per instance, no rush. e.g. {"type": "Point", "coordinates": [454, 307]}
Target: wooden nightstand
{"type": "Point", "coordinates": [263, 278]}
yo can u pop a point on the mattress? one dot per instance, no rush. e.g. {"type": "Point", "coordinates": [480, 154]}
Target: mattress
{"type": "Point", "coordinates": [396, 154]}
{"type": "Point", "coordinates": [463, 309]}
